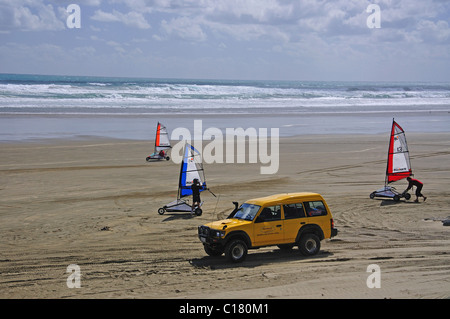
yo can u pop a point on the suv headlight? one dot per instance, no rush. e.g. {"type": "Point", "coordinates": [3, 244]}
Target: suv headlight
{"type": "Point", "coordinates": [217, 233]}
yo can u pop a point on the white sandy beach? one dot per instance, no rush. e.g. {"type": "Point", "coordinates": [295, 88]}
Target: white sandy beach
{"type": "Point", "coordinates": [57, 196]}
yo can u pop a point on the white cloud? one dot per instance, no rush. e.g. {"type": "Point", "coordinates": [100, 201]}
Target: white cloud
{"type": "Point", "coordinates": [184, 28]}
{"type": "Point", "coordinates": [131, 19]}
{"type": "Point", "coordinates": [431, 31]}
{"type": "Point", "coordinates": [105, 16]}
{"type": "Point", "coordinates": [259, 11]}
{"type": "Point", "coordinates": [26, 15]}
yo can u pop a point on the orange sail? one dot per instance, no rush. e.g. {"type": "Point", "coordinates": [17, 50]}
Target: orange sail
{"type": "Point", "coordinates": [162, 141]}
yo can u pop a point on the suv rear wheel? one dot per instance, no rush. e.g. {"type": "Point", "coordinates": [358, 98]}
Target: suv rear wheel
{"type": "Point", "coordinates": [309, 244]}
{"type": "Point", "coordinates": [236, 250]}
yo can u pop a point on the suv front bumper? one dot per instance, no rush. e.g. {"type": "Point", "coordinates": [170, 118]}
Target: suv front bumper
{"type": "Point", "coordinates": [208, 237]}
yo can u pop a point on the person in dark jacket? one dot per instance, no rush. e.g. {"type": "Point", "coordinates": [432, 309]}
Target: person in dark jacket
{"type": "Point", "coordinates": [419, 186]}
{"type": "Point", "coordinates": [196, 187]}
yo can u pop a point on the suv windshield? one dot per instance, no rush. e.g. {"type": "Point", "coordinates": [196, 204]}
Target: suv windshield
{"type": "Point", "coordinates": [247, 211]}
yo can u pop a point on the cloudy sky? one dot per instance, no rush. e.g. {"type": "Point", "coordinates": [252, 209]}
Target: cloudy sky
{"type": "Point", "coordinates": [229, 39]}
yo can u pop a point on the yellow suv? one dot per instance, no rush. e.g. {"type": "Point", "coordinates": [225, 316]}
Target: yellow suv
{"type": "Point", "coordinates": [285, 220]}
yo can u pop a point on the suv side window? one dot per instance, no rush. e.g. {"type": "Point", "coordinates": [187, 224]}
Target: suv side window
{"type": "Point", "coordinates": [270, 213]}
{"type": "Point", "coordinates": [316, 208]}
{"type": "Point", "coordinates": [292, 211]}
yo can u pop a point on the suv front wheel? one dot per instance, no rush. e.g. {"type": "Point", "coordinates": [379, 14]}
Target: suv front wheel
{"type": "Point", "coordinates": [309, 244]}
{"type": "Point", "coordinates": [212, 252]}
{"type": "Point", "coordinates": [236, 250]}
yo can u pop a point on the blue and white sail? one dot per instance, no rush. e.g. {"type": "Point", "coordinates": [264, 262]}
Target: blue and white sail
{"type": "Point", "coordinates": [191, 168]}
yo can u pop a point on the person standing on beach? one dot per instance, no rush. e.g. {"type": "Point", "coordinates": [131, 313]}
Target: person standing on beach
{"type": "Point", "coordinates": [196, 187]}
{"type": "Point", "coordinates": [419, 185]}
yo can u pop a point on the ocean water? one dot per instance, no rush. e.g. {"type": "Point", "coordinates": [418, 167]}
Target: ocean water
{"type": "Point", "coordinates": [42, 106]}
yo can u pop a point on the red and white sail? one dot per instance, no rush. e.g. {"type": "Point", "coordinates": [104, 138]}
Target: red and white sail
{"type": "Point", "coordinates": [398, 163]}
{"type": "Point", "coordinates": [162, 141]}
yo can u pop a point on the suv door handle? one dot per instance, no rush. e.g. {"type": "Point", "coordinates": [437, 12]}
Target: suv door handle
{"type": "Point", "coordinates": [278, 225]}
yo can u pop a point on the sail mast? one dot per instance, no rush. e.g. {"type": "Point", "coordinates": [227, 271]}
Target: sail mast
{"type": "Point", "coordinates": [181, 176]}
{"type": "Point", "coordinates": [386, 180]}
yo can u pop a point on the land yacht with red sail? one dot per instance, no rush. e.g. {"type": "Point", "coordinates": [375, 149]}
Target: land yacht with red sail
{"type": "Point", "coordinates": [398, 164]}
{"type": "Point", "coordinates": [162, 144]}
